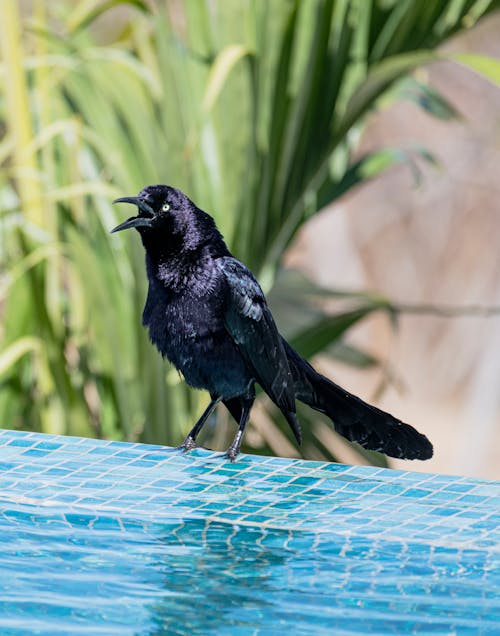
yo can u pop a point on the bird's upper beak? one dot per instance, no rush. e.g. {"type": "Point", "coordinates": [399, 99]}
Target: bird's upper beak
{"type": "Point", "coordinates": [143, 219]}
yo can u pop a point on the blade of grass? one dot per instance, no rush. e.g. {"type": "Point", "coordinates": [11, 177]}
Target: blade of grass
{"type": "Point", "coordinates": [18, 112]}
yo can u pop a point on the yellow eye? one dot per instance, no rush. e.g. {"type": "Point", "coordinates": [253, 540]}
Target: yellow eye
{"type": "Point", "coordinates": [165, 207]}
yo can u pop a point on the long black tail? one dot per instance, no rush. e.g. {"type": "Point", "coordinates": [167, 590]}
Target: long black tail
{"type": "Point", "coordinates": [354, 419]}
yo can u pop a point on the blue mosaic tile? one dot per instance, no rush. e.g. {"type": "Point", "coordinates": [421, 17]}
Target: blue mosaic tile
{"type": "Point", "coordinates": [119, 538]}
{"type": "Point", "coordinates": [20, 442]}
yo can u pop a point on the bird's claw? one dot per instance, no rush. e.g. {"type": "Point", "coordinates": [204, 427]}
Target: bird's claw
{"type": "Point", "coordinates": [231, 454]}
{"type": "Point", "coordinates": [187, 445]}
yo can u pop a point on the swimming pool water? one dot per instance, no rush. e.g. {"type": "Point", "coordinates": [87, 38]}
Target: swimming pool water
{"type": "Point", "coordinates": [102, 537]}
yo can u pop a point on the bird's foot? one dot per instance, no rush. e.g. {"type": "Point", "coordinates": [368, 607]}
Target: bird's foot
{"type": "Point", "coordinates": [187, 445]}
{"type": "Point", "coordinates": [232, 453]}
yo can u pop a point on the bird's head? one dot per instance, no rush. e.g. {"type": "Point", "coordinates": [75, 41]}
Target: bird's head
{"type": "Point", "coordinates": [157, 207]}
{"type": "Point", "coordinates": [170, 223]}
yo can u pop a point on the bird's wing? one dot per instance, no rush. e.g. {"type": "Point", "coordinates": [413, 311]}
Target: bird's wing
{"type": "Point", "coordinates": [252, 328]}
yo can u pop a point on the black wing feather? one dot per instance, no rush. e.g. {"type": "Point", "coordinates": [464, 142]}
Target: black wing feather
{"type": "Point", "coordinates": [252, 327]}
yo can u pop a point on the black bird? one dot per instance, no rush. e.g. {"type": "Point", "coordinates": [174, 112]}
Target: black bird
{"type": "Point", "coordinates": [207, 314]}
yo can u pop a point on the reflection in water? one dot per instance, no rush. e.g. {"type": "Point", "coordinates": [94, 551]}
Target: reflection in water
{"type": "Point", "coordinates": [218, 578]}
{"type": "Point", "coordinates": [222, 576]}
{"type": "Point", "coordinates": [119, 575]}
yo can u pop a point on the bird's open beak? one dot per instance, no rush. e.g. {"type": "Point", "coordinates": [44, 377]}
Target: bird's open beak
{"type": "Point", "coordinates": [143, 219]}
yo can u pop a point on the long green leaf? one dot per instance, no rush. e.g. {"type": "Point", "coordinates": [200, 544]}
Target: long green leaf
{"type": "Point", "coordinates": [488, 67]}
{"type": "Point", "coordinates": [18, 349]}
{"type": "Point", "coordinates": [317, 337]}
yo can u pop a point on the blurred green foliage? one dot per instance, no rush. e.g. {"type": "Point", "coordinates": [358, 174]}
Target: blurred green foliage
{"type": "Point", "coordinates": [254, 109]}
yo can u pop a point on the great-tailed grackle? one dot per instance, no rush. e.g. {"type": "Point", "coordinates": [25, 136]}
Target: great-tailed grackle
{"type": "Point", "coordinates": [207, 314]}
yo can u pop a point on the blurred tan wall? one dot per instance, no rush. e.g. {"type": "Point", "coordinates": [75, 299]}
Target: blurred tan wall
{"type": "Point", "coordinates": [438, 243]}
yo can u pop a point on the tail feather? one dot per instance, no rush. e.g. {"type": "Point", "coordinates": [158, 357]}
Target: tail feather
{"type": "Point", "coordinates": [353, 418]}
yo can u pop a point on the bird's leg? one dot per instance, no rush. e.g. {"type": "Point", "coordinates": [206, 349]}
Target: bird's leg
{"type": "Point", "coordinates": [190, 442]}
{"type": "Point", "coordinates": [234, 449]}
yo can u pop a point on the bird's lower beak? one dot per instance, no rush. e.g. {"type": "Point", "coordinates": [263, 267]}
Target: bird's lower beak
{"type": "Point", "coordinates": [135, 221]}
